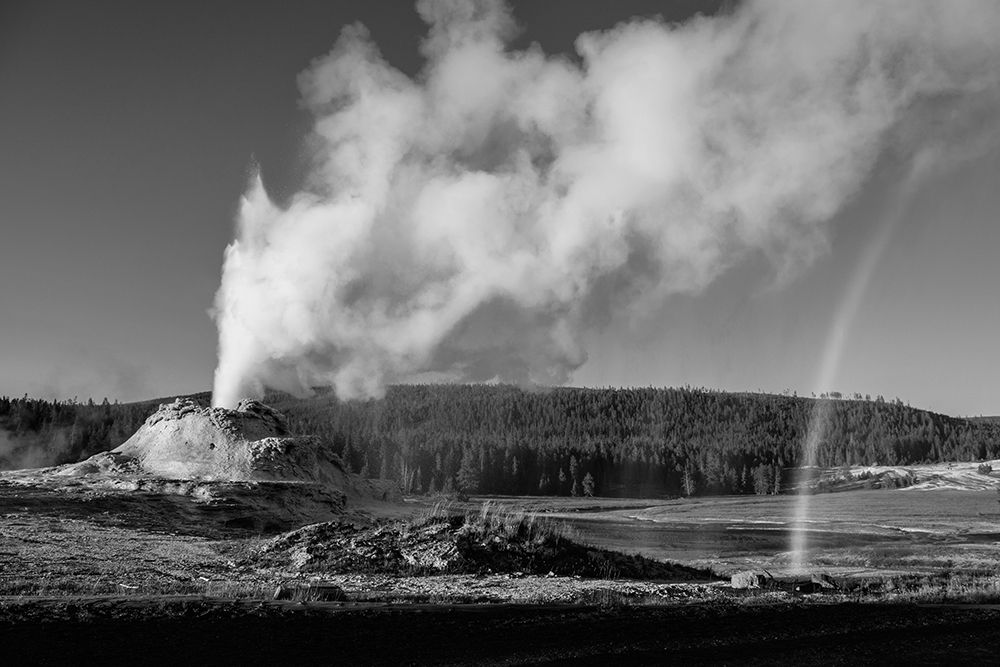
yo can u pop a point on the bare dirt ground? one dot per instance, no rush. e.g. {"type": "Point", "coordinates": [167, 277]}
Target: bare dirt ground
{"type": "Point", "coordinates": [202, 632]}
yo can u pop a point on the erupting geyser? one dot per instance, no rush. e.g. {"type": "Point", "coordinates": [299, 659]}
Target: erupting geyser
{"type": "Point", "coordinates": [832, 353]}
{"type": "Point", "coordinates": [833, 349]}
{"type": "Point", "coordinates": [475, 220]}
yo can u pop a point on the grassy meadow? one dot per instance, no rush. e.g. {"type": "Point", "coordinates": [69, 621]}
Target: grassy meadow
{"type": "Point", "coordinates": [860, 533]}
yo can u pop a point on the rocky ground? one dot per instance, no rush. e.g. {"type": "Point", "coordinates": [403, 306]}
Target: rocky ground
{"type": "Point", "coordinates": [84, 575]}
{"type": "Point", "coordinates": [58, 542]}
{"type": "Point", "coordinates": [490, 540]}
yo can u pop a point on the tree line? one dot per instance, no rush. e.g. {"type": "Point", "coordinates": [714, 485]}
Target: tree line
{"type": "Point", "coordinates": [628, 442]}
{"type": "Point", "coordinates": [36, 432]}
{"type": "Point", "coordinates": [563, 441]}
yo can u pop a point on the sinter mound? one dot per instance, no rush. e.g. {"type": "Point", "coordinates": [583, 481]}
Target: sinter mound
{"type": "Point", "coordinates": [210, 467]}
{"type": "Point", "coordinates": [183, 440]}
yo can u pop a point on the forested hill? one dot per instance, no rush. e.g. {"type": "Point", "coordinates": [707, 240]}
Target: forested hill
{"type": "Point", "coordinates": [502, 439]}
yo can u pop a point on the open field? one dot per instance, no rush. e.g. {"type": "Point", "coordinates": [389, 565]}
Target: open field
{"type": "Point", "coordinates": [859, 533]}
{"type": "Point", "coordinates": [96, 543]}
{"type": "Point", "coordinates": [78, 565]}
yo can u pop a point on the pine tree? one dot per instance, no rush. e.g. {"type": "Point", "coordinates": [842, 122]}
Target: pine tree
{"type": "Point", "coordinates": [762, 481]}
{"type": "Point", "coordinates": [688, 480]}
{"type": "Point", "coordinates": [776, 480]}
{"type": "Point", "coordinates": [468, 473]}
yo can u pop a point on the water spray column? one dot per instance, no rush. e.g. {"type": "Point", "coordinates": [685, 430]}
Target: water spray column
{"type": "Point", "coordinates": [822, 410]}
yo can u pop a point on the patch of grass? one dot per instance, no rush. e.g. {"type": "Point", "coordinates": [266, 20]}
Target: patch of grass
{"type": "Point", "coordinates": [915, 558]}
{"type": "Point", "coordinates": [495, 520]}
{"type": "Point", "coordinates": [614, 598]}
{"type": "Point", "coordinates": [958, 588]}
{"type": "Point", "coordinates": [74, 586]}
{"type": "Point", "coordinates": [510, 523]}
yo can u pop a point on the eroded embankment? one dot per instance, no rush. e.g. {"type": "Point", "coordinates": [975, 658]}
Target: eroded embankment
{"type": "Point", "coordinates": [488, 541]}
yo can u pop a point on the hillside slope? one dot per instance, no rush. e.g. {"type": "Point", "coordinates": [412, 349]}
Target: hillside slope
{"type": "Point", "coordinates": [630, 442]}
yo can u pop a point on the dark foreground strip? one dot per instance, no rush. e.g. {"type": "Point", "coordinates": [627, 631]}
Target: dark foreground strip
{"type": "Point", "coordinates": [190, 631]}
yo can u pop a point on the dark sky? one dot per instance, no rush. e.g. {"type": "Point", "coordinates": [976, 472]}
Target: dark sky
{"type": "Point", "coordinates": [127, 130]}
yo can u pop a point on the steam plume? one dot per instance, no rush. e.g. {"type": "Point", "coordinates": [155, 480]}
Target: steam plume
{"type": "Point", "coordinates": [474, 221]}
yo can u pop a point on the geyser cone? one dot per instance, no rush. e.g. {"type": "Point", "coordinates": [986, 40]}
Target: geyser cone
{"type": "Point", "coordinates": [185, 441]}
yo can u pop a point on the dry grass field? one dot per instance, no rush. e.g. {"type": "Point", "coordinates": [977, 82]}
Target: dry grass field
{"type": "Point", "coordinates": [82, 564]}
{"type": "Point", "coordinates": [860, 533]}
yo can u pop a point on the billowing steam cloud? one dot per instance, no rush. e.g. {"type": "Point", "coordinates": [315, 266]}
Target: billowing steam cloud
{"type": "Point", "coordinates": [475, 221]}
